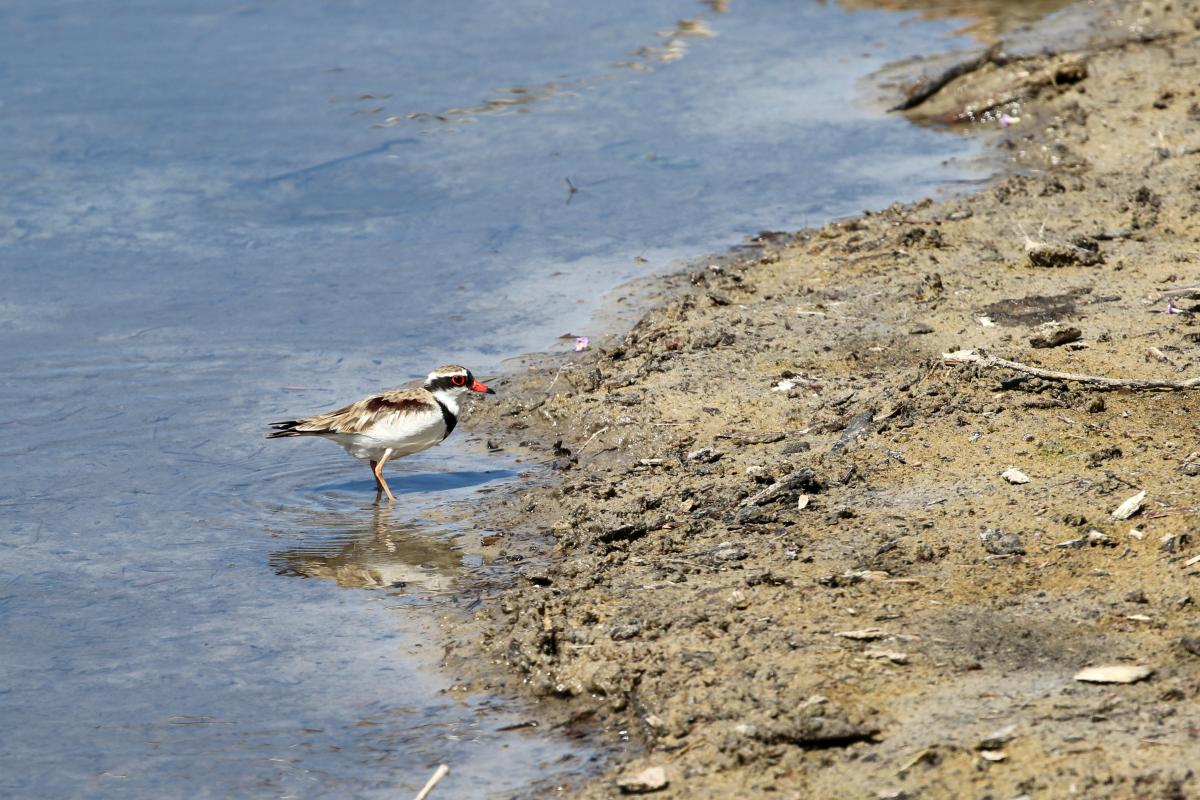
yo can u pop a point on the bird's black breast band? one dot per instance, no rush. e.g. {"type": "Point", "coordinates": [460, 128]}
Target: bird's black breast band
{"type": "Point", "coordinates": [447, 417]}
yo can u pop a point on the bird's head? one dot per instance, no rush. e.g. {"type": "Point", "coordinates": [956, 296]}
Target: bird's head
{"type": "Point", "coordinates": [451, 381]}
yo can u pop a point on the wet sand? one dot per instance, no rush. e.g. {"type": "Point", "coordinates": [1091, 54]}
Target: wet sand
{"type": "Point", "coordinates": [773, 551]}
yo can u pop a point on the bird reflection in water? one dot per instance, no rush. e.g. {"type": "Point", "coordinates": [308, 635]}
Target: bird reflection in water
{"type": "Point", "coordinates": [373, 554]}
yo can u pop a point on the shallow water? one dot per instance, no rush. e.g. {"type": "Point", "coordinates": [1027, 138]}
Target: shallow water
{"type": "Point", "coordinates": [216, 215]}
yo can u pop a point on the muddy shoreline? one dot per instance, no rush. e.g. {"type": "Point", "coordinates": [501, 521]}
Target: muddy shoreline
{"type": "Point", "coordinates": [773, 545]}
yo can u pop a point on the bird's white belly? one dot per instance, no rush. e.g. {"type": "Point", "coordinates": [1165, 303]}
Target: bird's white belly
{"type": "Point", "coordinates": [373, 446]}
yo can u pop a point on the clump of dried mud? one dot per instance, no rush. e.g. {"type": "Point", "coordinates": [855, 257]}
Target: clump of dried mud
{"type": "Point", "coordinates": [774, 552]}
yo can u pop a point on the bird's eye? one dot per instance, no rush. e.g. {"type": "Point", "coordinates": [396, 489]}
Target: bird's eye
{"type": "Point", "coordinates": [458, 380]}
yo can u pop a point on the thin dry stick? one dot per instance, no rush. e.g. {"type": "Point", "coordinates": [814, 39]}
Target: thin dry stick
{"type": "Point", "coordinates": [1170, 512]}
{"type": "Point", "coordinates": [991, 362]}
{"type": "Point", "coordinates": [591, 438]}
{"type": "Point", "coordinates": [439, 773]}
{"type": "Point", "coordinates": [1180, 293]}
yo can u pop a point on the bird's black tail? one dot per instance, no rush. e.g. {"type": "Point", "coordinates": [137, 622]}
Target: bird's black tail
{"type": "Point", "coordinates": [282, 429]}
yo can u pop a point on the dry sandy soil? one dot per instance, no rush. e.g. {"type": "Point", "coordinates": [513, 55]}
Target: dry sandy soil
{"type": "Point", "coordinates": [773, 551]}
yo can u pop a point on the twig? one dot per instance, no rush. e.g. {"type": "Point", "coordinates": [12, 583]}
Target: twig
{"type": "Point", "coordinates": [932, 86]}
{"type": "Point", "coordinates": [1170, 512]}
{"type": "Point", "coordinates": [792, 480]}
{"type": "Point", "coordinates": [991, 362]}
{"type": "Point", "coordinates": [1180, 293]}
{"type": "Point", "coordinates": [558, 375]}
{"type": "Point", "coordinates": [439, 773]}
{"type": "Point", "coordinates": [579, 452]}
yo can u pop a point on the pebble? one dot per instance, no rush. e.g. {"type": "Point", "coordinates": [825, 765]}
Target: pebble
{"type": "Point", "coordinates": [1055, 336]}
{"type": "Point", "coordinates": [1130, 506]}
{"type": "Point", "coordinates": [997, 739]}
{"type": "Point", "coordinates": [1117, 673]}
{"type": "Point", "coordinates": [651, 779]}
{"type": "Point", "coordinates": [1002, 543]}
{"type": "Point", "coordinates": [890, 655]}
{"type": "Point", "coordinates": [1080, 252]}
{"type": "Point", "coordinates": [625, 630]}
{"type": "Point", "coordinates": [1014, 475]}
{"type": "Point", "coordinates": [864, 635]}
{"type": "Point", "coordinates": [705, 455]}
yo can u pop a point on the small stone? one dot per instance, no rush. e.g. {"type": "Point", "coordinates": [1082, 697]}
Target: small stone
{"type": "Point", "coordinates": [1191, 644]}
{"type": "Point", "coordinates": [1055, 336]}
{"type": "Point", "coordinates": [1117, 673]}
{"type": "Point", "coordinates": [920, 328]}
{"type": "Point", "coordinates": [651, 779]}
{"type": "Point", "coordinates": [705, 455]}
{"type": "Point", "coordinates": [997, 739]}
{"type": "Point", "coordinates": [625, 630]}
{"type": "Point", "coordinates": [1095, 537]}
{"type": "Point", "coordinates": [889, 655]}
{"type": "Point", "coordinates": [1191, 469]}
{"type": "Point", "coordinates": [1002, 543]}
{"type": "Point", "coordinates": [538, 576]}
{"type": "Point", "coordinates": [1014, 475]}
{"type": "Point", "coordinates": [1095, 405]}
{"type": "Point", "coordinates": [864, 635]}
{"type": "Point", "coordinates": [1098, 457]}
{"type": "Point", "coordinates": [1082, 251]}
{"type": "Point", "coordinates": [1130, 506]}
{"type": "Point", "coordinates": [1136, 596]}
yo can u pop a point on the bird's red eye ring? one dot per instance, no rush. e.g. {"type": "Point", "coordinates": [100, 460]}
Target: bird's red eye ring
{"type": "Point", "coordinates": [458, 380]}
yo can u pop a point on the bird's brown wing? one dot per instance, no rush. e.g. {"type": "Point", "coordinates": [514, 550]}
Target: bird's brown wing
{"type": "Point", "coordinates": [362, 415]}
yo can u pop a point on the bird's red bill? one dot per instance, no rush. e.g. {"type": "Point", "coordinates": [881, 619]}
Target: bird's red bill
{"type": "Point", "coordinates": [481, 388]}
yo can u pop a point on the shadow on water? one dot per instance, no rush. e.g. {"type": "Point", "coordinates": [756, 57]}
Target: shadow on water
{"type": "Point", "coordinates": [375, 553]}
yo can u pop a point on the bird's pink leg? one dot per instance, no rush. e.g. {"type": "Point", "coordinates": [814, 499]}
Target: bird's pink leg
{"type": "Point", "coordinates": [377, 468]}
{"type": "Point", "coordinates": [378, 485]}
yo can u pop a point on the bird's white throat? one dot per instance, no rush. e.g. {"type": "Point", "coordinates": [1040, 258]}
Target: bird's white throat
{"type": "Point", "coordinates": [448, 399]}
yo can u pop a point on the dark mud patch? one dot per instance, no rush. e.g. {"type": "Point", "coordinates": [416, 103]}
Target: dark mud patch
{"type": "Point", "coordinates": [1034, 309]}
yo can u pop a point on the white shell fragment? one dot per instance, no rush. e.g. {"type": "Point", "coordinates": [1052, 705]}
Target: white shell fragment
{"type": "Point", "coordinates": [993, 755]}
{"type": "Point", "coordinates": [1130, 506]}
{"type": "Point", "coordinates": [802, 502]}
{"type": "Point", "coordinates": [1119, 673]}
{"type": "Point", "coordinates": [1014, 475]}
